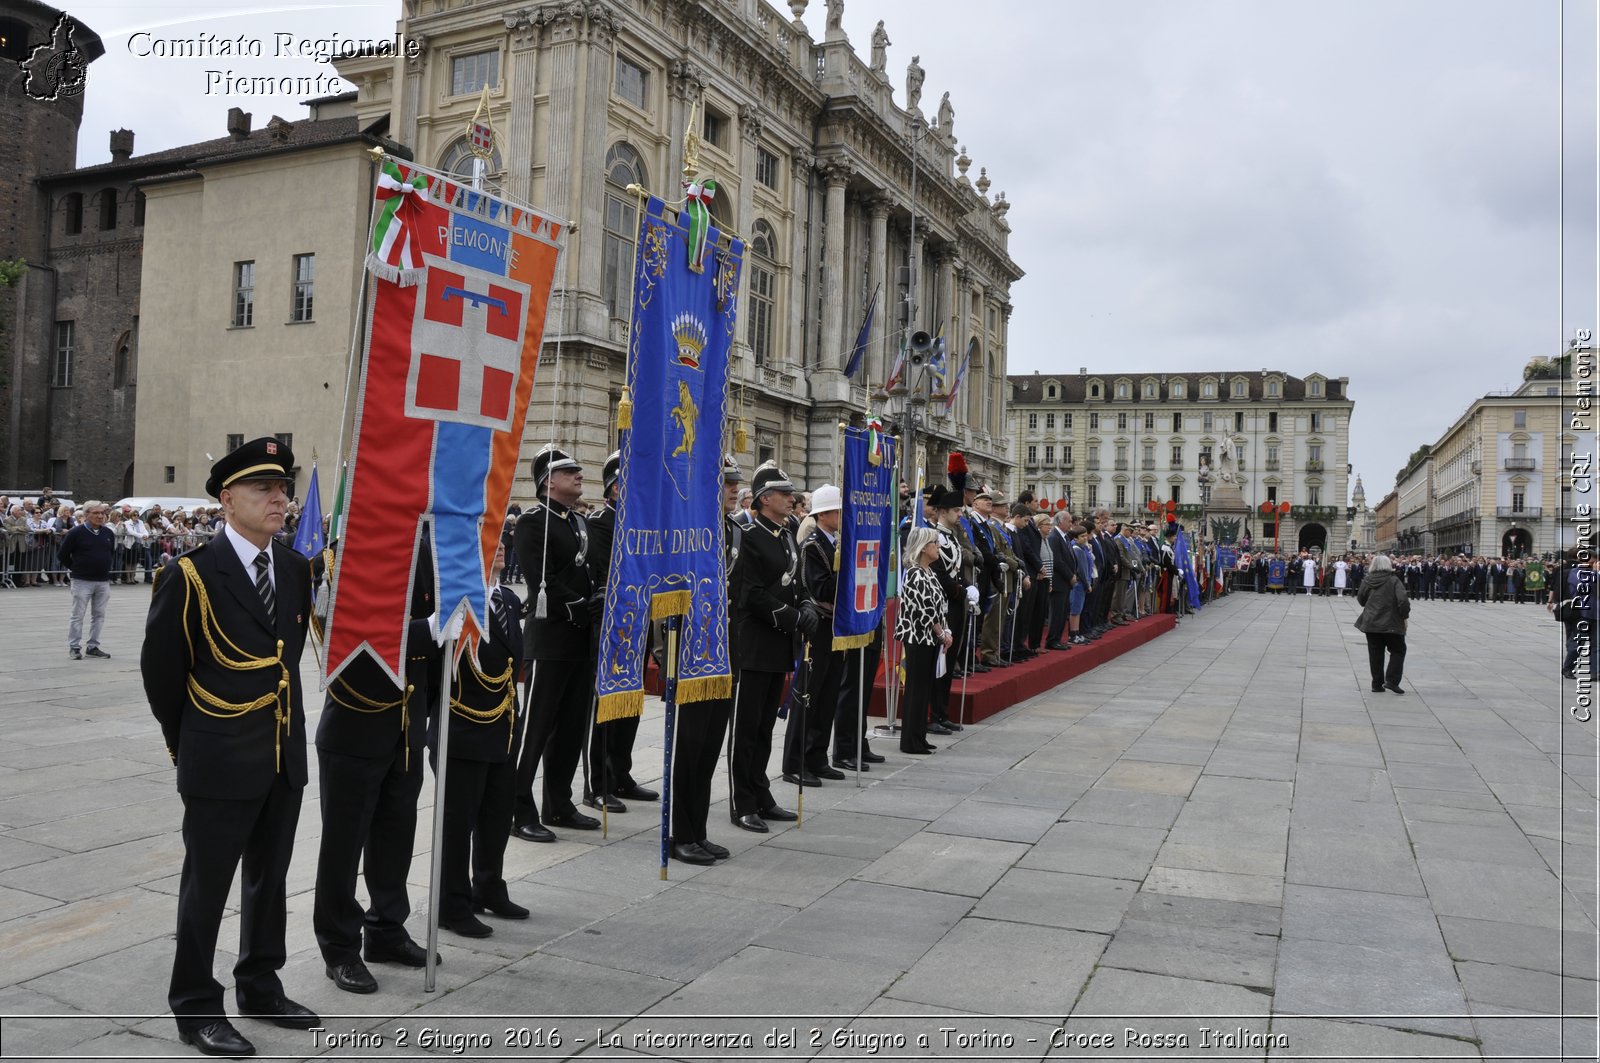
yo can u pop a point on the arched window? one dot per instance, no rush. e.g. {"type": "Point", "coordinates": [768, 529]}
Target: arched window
{"type": "Point", "coordinates": [72, 210]}
{"type": "Point", "coordinates": [108, 209]}
{"type": "Point", "coordinates": [459, 161]}
{"type": "Point", "coordinates": [623, 167]}
{"type": "Point", "coordinates": [763, 291]}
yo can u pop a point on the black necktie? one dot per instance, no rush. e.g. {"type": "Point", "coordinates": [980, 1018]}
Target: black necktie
{"type": "Point", "coordinates": [501, 613]}
{"type": "Point", "coordinates": [264, 585]}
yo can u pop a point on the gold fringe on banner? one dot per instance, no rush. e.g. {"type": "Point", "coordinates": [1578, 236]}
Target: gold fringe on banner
{"type": "Point", "coordinates": [670, 603]}
{"type": "Point", "coordinates": [627, 704]}
{"type": "Point", "coordinates": [625, 410]}
{"type": "Point", "coordinates": [706, 688]}
{"type": "Point", "coordinates": [853, 642]}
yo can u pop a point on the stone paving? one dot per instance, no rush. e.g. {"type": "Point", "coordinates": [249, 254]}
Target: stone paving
{"type": "Point", "coordinates": [1222, 831]}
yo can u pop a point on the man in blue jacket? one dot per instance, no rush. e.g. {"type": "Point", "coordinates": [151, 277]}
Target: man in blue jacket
{"type": "Point", "coordinates": [86, 553]}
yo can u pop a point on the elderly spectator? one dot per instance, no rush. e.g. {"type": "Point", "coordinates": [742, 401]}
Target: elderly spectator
{"type": "Point", "coordinates": [1385, 608]}
{"type": "Point", "coordinates": [139, 538]}
{"type": "Point", "coordinates": [19, 544]}
{"type": "Point", "coordinates": [86, 552]}
{"type": "Point", "coordinates": [923, 627]}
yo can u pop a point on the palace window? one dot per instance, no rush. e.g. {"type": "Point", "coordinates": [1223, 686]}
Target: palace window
{"type": "Point", "coordinates": [1150, 422]}
{"type": "Point", "coordinates": [1033, 421]}
{"type": "Point", "coordinates": [1122, 422]}
{"type": "Point", "coordinates": [234, 442]}
{"type": "Point", "coordinates": [1208, 389]}
{"type": "Point", "coordinates": [1177, 454]}
{"type": "Point", "coordinates": [1272, 421]}
{"type": "Point", "coordinates": [1238, 421]}
{"type": "Point", "coordinates": [1149, 494]}
{"type": "Point", "coordinates": [714, 130]}
{"type": "Point", "coordinates": [66, 351]}
{"type": "Point", "coordinates": [1093, 495]}
{"type": "Point", "coordinates": [244, 294]}
{"type": "Point", "coordinates": [1033, 455]}
{"type": "Point", "coordinates": [459, 161]}
{"type": "Point", "coordinates": [1316, 422]}
{"type": "Point", "coordinates": [763, 292]}
{"type": "Point", "coordinates": [1519, 418]}
{"type": "Point", "coordinates": [1094, 422]}
{"type": "Point", "coordinates": [1314, 452]}
{"type": "Point", "coordinates": [73, 206]}
{"type": "Point", "coordinates": [1049, 454]}
{"type": "Point", "coordinates": [1050, 420]}
{"type": "Point", "coordinates": [1122, 496]}
{"type": "Point", "coordinates": [470, 73]}
{"type": "Point", "coordinates": [767, 168]}
{"type": "Point", "coordinates": [1177, 422]}
{"type": "Point", "coordinates": [108, 209]}
{"type": "Point", "coordinates": [623, 167]}
{"type": "Point", "coordinates": [1314, 495]}
{"type": "Point", "coordinates": [300, 303]}
{"type": "Point", "coordinates": [1066, 421]}
{"type": "Point", "coordinates": [1177, 494]}
{"type": "Point", "coordinates": [632, 82]}
{"type": "Point", "coordinates": [1066, 456]}
{"type": "Point", "coordinates": [1206, 421]}
{"type": "Point", "coordinates": [1239, 387]}
{"type": "Point", "coordinates": [1314, 387]}
{"type": "Point", "coordinates": [1177, 389]}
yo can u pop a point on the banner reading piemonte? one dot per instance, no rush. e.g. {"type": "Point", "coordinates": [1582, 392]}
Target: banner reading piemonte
{"type": "Point", "coordinates": [865, 536]}
{"type": "Point", "coordinates": [460, 285]}
{"type": "Point", "coordinates": [667, 560]}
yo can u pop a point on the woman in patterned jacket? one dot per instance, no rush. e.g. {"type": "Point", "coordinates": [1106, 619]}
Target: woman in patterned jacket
{"type": "Point", "coordinates": [922, 627]}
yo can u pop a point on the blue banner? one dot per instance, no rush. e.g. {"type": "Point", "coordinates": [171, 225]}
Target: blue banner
{"type": "Point", "coordinates": [1277, 570]}
{"type": "Point", "coordinates": [1184, 558]}
{"type": "Point", "coordinates": [1227, 559]}
{"type": "Point", "coordinates": [866, 537]}
{"type": "Point", "coordinates": [308, 538]}
{"type": "Point", "coordinates": [668, 553]}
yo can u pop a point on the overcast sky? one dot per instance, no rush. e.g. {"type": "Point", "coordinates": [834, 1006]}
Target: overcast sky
{"type": "Point", "coordinates": [1367, 188]}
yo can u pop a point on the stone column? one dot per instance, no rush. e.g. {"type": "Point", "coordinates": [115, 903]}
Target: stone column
{"type": "Point", "coordinates": [523, 84]}
{"type": "Point", "coordinates": [966, 411]}
{"type": "Point", "coordinates": [597, 61]}
{"type": "Point", "coordinates": [827, 379]}
{"type": "Point", "coordinates": [880, 346]}
{"type": "Point", "coordinates": [922, 318]}
{"type": "Point", "coordinates": [945, 259]}
{"type": "Point", "coordinates": [412, 100]}
{"type": "Point", "coordinates": [802, 276]}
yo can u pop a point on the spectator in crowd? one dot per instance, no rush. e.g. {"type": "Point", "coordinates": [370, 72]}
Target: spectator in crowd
{"type": "Point", "coordinates": [1579, 611]}
{"type": "Point", "coordinates": [922, 626]}
{"type": "Point", "coordinates": [86, 552]}
{"type": "Point", "coordinates": [19, 544]}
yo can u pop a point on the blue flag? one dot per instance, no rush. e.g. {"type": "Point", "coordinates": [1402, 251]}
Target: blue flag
{"type": "Point", "coordinates": [866, 537]}
{"type": "Point", "coordinates": [668, 559]}
{"type": "Point", "coordinates": [860, 349]}
{"type": "Point", "coordinates": [1185, 560]}
{"type": "Point", "coordinates": [308, 533]}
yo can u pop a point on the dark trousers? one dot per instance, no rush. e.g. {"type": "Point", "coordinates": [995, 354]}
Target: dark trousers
{"type": "Point", "coordinates": [219, 836]}
{"type": "Point", "coordinates": [560, 699]}
{"type": "Point", "coordinates": [1395, 644]}
{"type": "Point", "coordinates": [920, 662]}
{"type": "Point", "coordinates": [956, 619]}
{"type": "Point", "coordinates": [1060, 610]}
{"type": "Point", "coordinates": [755, 712]}
{"type": "Point", "coordinates": [1037, 616]}
{"type": "Point", "coordinates": [369, 822]}
{"type": "Point", "coordinates": [700, 727]}
{"type": "Point", "coordinates": [477, 825]}
{"type": "Point", "coordinates": [850, 718]}
{"type": "Point", "coordinates": [809, 730]}
{"type": "Point", "coordinates": [611, 756]}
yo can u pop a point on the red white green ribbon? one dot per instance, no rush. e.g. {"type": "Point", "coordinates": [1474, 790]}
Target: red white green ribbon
{"type": "Point", "coordinates": [395, 255]}
{"type": "Point", "coordinates": [698, 196]}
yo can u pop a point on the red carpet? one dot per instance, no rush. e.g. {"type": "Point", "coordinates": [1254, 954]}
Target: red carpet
{"type": "Point", "coordinates": [989, 692]}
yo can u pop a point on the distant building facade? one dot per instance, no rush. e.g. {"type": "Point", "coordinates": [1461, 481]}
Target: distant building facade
{"type": "Point", "coordinates": [1414, 507]}
{"type": "Point", "coordinates": [1122, 439]}
{"type": "Point", "coordinates": [1386, 529]}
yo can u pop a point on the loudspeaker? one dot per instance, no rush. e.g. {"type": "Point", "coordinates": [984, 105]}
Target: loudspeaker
{"type": "Point", "coordinates": [920, 346]}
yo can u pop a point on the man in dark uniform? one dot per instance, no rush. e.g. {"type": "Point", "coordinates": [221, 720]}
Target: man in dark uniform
{"type": "Point", "coordinates": [369, 756]}
{"type": "Point", "coordinates": [221, 668]}
{"type": "Point", "coordinates": [805, 744]}
{"type": "Point", "coordinates": [954, 571]}
{"type": "Point", "coordinates": [481, 779]}
{"type": "Point", "coordinates": [772, 608]}
{"type": "Point", "coordinates": [701, 725]}
{"type": "Point", "coordinates": [552, 542]}
{"type": "Point", "coordinates": [611, 744]}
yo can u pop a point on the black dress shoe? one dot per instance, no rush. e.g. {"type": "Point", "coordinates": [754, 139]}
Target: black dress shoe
{"type": "Point", "coordinates": [468, 926]}
{"type": "Point", "coordinates": [805, 778]}
{"type": "Point", "coordinates": [638, 793]}
{"type": "Point", "coordinates": [752, 822]}
{"type": "Point", "coordinates": [870, 757]}
{"type": "Point", "coordinates": [850, 765]}
{"type": "Point", "coordinates": [1394, 687]}
{"type": "Point", "coordinates": [916, 751]}
{"type": "Point", "coordinates": [935, 729]}
{"type": "Point", "coordinates": [573, 820]}
{"type": "Point", "coordinates": [778, 815]}
{"type": "Point", "coordinates": [280, 1012]}
{"type": "Point", "coordinates": [504, 907]}
{"type": "Point", "coordinates": [610, 803]}
{"type": "Point", "coordinates": [691, 853]}
{"type": "Point", "coordinates": [533, 832]}
{"type": "Point", "coordinates": [1058, 646]}
{"type": "Point", "coordinates": [353, 977]}
{"type": "Point", "coordinates": [218, 1039]}
{"type": "Point", "coordinates": [1377, 688]}
{"type": "Point", "coordinates": [951, 725]}
{"type": "Point", "coordinates": [96, 651]}
{"type": "Point", "coordinates": [979, 669]}
{"type": "Point", "coordinates": [825, 772]}
{"type": "Point", "coordinates": [720, 852]}
{"type": "Point", "coordinates": [406, 953]}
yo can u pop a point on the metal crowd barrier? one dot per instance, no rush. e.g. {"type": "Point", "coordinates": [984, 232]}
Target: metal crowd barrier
{"type": "Point", "coordinates": [32, 559]}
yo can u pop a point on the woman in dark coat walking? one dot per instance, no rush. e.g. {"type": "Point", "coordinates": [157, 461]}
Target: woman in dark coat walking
{"type": "Point", "coordinates": [1383, 620]}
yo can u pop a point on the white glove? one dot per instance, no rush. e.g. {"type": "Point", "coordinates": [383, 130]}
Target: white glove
{"type": "Point", "coordinates": [1004, 568]}
{"type": "Point", "coordinates": [452, 627]}
{"type": "Point", "coordinates": [972, 595]}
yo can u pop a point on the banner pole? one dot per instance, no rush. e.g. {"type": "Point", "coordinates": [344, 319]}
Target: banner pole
{"type": "Point", "coordinates": [861, 712]}
{"type": "Point", "coordinates": [436, 857]}
{"type": "Point", "coordinates": [671, 691]}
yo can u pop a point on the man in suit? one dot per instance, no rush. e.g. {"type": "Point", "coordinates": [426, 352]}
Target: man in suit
{"type": "Point", "coordinates": [481, 778]}
{"type": "Point", "coordinates": [611, 743]}
{"type": "Point", "coordinates": [369, 754]}
{"type": "Point", "coordinates": [1063, 574]}
{"type": "Point", "coordinates": [772, 609]}
{"type": "Point", "coordinates": [805, 743]}
{"type": "Point", "coordinates": [552, 542]}
{"type": "Point", "coordinates": [1025, 544]}
{"type": "Point", "coordinates": [701, 727]}
{"type": "Point", "coordinates": [221, 670]}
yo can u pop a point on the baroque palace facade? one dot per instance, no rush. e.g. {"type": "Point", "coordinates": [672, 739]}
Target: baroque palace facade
{"type": "Point", "coordinates": [814, 162]}
{"type": "Point", "coordinates": [1121, 439]}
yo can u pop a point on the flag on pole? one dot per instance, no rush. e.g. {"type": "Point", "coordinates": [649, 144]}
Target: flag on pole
{"type": "Point", "coordinates": [938, 367]}
{"type": "Point", "coordinates": [443, 396]}
{"type": "Point", "coordinates": [866, 538]}
{"type": "Point", "coordinates": [961, 374]}
{"type": "Point", "coordinates": [480, 129]}
{"type": "Point", "coordinates": [897, 370]}
{"type": "Point", "coordinates": [308, 538]}
{"type": "Point", "coordinates": [858, 352]}
{"type": "Point", "coordinates": [669, 557]}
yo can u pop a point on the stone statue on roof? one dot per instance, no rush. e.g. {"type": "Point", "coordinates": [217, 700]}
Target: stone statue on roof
{"type": "Point", "coordinates": [915, 76]}
{"type": "Point", "coordinates": [880, 46]}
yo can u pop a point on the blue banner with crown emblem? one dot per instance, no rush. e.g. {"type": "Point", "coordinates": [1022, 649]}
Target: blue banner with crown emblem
{"type": "Point", "coordinates": [667, 558]}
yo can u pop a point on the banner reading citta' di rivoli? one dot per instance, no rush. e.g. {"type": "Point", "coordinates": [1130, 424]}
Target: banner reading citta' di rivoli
{"type": "Point", "coordinates": [865, 536]}
{"type": "Point", "coordinates": [668, 560]}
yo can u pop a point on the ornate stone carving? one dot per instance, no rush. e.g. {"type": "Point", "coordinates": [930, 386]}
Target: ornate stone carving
{"type": "Point", "coordinates": [751, 121]}
{"type": "Point", "coordinates": [835, 16]}
{"type": "Point", "coordinates": [983, 181]}
{"type": "Point", "coordinates": [947, 117]}
{"type": "Point", "coordinates": [915, 76]}
{"type": "Point", "coordinates": [687, 80]}
{"type": "Point", "coordinates": [836, 171]}
{"type": "Point", "coordinates": [414, 64]}
{"type": "Point", "coordinates": [879, 205]}
{"type": "Point", "coordinates": [880, 48]}
{"type": "Point", "coordinates": [797, 8]}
